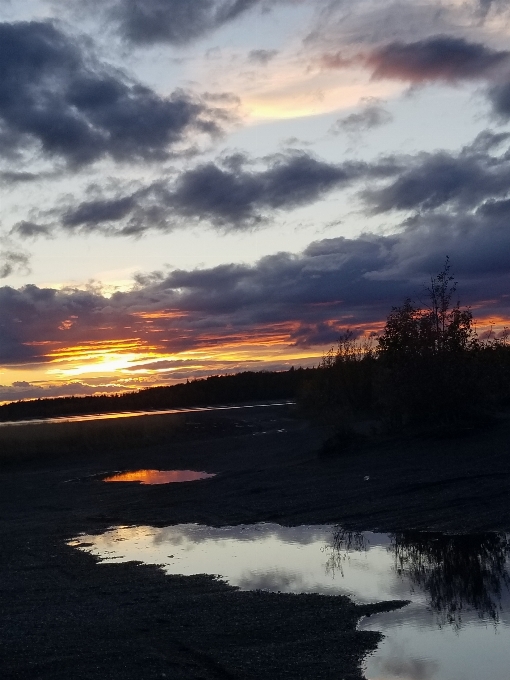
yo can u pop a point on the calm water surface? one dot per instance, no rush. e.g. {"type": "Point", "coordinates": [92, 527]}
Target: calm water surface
{"type": "Point", "coordinates": [457, 626]}
{"type": "Point", "coordinates": [158, 476]}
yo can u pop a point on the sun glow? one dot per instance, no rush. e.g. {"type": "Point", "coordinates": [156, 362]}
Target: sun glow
{"type": "Point", "coordinates": [104, 357]}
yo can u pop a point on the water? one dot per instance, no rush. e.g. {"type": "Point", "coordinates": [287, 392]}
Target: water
{"type": "Point", "coordinates": [135, 414]}
{"type": "Point", "coordinates": [457, 626]}
{"type": "Point", "coordinates": [158, 476]}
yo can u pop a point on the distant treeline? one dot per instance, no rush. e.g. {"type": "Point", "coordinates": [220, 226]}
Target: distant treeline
{"type": "Point", "coordinates": [228, 389]}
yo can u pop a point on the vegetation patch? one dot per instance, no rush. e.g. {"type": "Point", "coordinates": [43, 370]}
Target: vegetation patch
{"type": "Point", "coordinates": [428, 373]}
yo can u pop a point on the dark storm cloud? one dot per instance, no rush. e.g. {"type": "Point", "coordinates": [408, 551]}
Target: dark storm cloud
{"type": "Point", "coordinates": [55, 94]}
{"type": "Point", "coordinates": [440, 57]}
{"type": "Point", "coordinates": [234, 193]}
{"type": "Point", "coordinates": [301, 299]}
{"type": "Point", "coordinates": [495, 209]}
{"type": "Point", "coordinates": [32, 318]}
{"type": "Point", "coordinates": [97, 212]}
{"type": "Point", "coordinates": [230, 193]}
{"type": "Point", "coordinates": [433, 180]}
{"type": "Point", "coordinates": [499, 97]}
{"type": "Point", "coordinates": [239, 196]}
{"type": "Point", "coordinates": [343, 282]}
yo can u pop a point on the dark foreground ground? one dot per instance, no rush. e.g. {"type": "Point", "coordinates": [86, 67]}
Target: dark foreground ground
{"type": "Point", "coordinates": [62, 616]}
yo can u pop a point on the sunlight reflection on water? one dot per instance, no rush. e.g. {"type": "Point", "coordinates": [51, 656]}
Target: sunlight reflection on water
{"type": "Point", "coordinates": [457, 626]}
{"type": "Point", "coordinates": [158, 476]}
{"type": "Point", "coordinates": [135, 414]}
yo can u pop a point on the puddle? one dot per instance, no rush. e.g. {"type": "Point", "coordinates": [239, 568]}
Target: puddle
{"type": "Point", "coordinates": [457, 626]}
{"type": "Point", "coordinates": [158, 476]}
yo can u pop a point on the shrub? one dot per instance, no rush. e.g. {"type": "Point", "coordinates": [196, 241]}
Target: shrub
{"type": "Point", "coordinates": [427, 370]}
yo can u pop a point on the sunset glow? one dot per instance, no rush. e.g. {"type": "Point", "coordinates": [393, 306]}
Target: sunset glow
{"type": "Point", "coordinates": [158, 476]}
{"type": "Point", "coordinates": [246, 187]}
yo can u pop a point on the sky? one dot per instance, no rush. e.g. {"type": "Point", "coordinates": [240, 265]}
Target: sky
{"type": "Point", "coordinates": [200, 187]}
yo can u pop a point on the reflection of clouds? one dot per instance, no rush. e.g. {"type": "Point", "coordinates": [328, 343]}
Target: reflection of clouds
{"type": "Point", "coordinates": [459, 578]}
{"type": "Point", "coordinates": [273, 558]}
{"type": "Point", "coordinates": [282, 581]}
{"type": "Point", "coordinates": [198, 533]}
{"type": "Point", "coordinates": [172, 539]}
{"type": "Point", "coordinates": [410, 669]}
{"type": "Point", "coordinates": [277, 580]}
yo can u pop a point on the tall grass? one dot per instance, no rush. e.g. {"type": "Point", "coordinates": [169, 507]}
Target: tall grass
{"type": "Point", "coordinates": [42, 441]}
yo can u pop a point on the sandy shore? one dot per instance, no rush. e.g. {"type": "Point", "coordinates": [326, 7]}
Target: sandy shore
{"type": "Point", "coordinates": [62, 616]}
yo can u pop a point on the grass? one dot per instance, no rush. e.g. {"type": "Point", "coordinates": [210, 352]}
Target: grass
{"type": "Point", "coordinates": [29, 442]}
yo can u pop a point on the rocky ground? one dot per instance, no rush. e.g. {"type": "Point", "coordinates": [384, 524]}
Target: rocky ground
{"type": "Point", "coordinates": [62, 616]}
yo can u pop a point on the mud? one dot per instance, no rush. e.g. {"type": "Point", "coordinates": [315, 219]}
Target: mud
{"type": "Point", "coordinates": [64, 617]}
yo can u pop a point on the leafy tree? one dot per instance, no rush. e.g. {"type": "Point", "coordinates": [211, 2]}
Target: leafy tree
{"type": "Point", "coordinates": [440, 327]}
{"type": "Point", "coordinates": [428, 372]}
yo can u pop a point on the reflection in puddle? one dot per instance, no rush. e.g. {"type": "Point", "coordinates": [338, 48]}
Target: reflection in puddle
{"type": "Point", "coordinates": [459, 573]}
{"type": "Point", "coordinates": [158, 476]}
{"type": "Point", "coordinates": [457, 626]}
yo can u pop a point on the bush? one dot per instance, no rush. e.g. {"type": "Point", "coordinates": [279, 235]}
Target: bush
{"type": "Point", "coordinates": [341, 391]}
{"type": "Point", "coordinates": [428, 370]}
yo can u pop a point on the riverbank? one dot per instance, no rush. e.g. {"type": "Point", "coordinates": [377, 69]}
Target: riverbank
{"type": "Point", "coordinates": [63, 616]}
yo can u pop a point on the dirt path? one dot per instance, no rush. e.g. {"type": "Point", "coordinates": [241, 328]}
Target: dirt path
{"type": "Point", "coordinates": [62, 616]}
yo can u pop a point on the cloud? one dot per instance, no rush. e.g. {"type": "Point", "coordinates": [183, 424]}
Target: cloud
{"type": "Point", "coordinates": [438, 58]}
{"type": "Point", "coordinates": [413, 669]}
{"type": "Point", "coordinates": [12, 258]}
{"type": "Point", "coordinates": [435, 58]}
{"type": "Point", "coordinates": [11, 178]}
{"type": "Point", "coordinates": [442, 57]}
{"type": "Point", "coordinates": [262, 56]}
{"type": "Point", "coordinates": [26, 229]}
{"type": "Point", "coordinates": [484, 8]}
{"type": "Point", "coordinates": [337, 60]}
{"type": "Point", "coordinates": [499, 97]}
{"type": "Point", "coordinates": [12, 261]}
{"type": "Point", "coordinates": [373, 115]}
{"type": "Point", "coordinates": [236, 196]}
{"type": "Point", "coordinates": [25, 390]}
{"type": "Point", "coordinates": [92, 213]}
{"type": "Point", "coordinates": [235, 192]}
{"type": "Point", "coordinates": [56, 95]}
{"type": "Point", "coordinates": [283, 300]}
{"type": "Point", "coordinates": [429, 181]}
{"type": "Point", "coordinates": [178, 22]}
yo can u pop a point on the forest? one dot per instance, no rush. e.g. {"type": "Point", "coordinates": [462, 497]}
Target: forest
{"type": "Point", "coordinates": [247, 386]}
